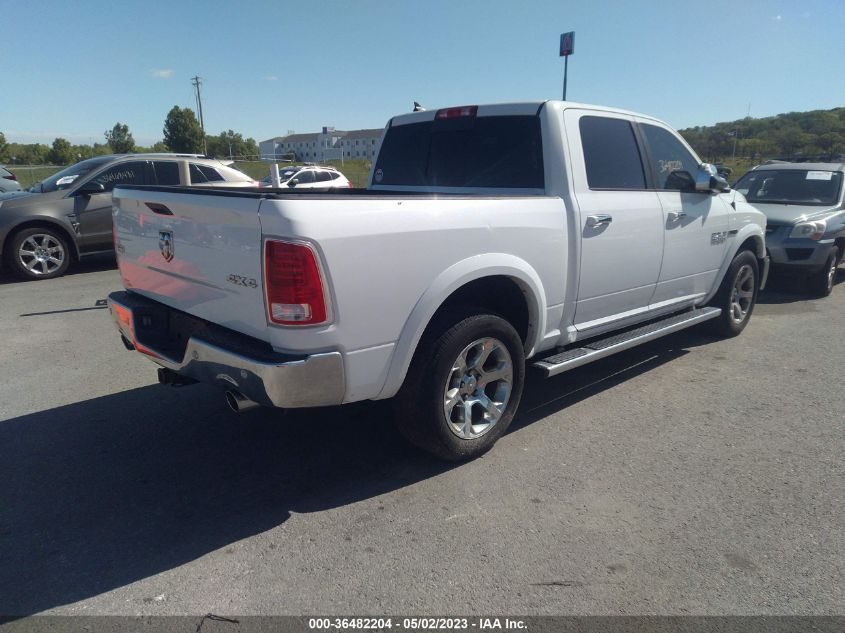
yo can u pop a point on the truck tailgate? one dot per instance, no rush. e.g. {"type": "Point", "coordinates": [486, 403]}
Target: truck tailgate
{"type": "Point", "coordinates": [194, 251]}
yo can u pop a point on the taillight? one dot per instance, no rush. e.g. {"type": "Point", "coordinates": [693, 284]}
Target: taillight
{"type": "Point", "coordinates": [295, 293]}
{"type": "Point", "coordinates": [351, 184]}
{"type": "Point", "coordinates": [11, 176]}
{"type": "Point", "coordinates": [457, 113]}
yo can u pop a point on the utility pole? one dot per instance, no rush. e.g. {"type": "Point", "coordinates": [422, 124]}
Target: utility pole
{"type": "Point", "coordinates": [196, 81]}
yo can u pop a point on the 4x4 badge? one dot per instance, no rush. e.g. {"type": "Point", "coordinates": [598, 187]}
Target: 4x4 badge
{"type": "Point", "coordinates": [165, 244]}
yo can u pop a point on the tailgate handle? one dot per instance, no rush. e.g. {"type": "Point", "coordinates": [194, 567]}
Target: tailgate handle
{"type": "Point", "coordinates": [155, 207]}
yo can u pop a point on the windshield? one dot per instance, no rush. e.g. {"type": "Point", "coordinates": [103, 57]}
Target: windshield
{"type": "Point", "coordinates": [69, 175]}
{"type": "Point", "coordinates": [792, 186]}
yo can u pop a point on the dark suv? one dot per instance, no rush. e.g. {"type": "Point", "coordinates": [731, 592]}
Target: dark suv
{"type": "Point", "coordinates": [68, 215]}
{"type": "Point", "coordinates": [805, 211]}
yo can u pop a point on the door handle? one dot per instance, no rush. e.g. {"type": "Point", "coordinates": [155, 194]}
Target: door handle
{"type": "Point", "coordinates": [160, 209]}
{"type": "Point", "coordinates": [674, 216]}
{"type": "Point", "coordinates": [600, 219]}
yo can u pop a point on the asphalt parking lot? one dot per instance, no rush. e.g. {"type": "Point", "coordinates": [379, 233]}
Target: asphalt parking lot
{"type": "Point", "coordinates": [684, 477]}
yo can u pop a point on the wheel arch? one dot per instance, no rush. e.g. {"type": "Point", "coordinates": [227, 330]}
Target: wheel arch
{"type": "Point", "coordinates": [748, 238]}
{"type": "Point", "coordinates": [44, 222]}
{"type": "Point", "coordinates": [460, 285]}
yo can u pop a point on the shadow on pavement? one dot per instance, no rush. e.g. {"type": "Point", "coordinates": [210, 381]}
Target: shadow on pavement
{"type": "Point", "coordinates": [785, 288]}
{"type": "Point", "coordinates": [92, 264]}
{"type": "Point", "coordinates": [102, 493]}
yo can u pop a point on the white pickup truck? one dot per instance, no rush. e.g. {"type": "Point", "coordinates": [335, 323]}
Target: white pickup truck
{"type": "Point", "coordinates": [488, 235]}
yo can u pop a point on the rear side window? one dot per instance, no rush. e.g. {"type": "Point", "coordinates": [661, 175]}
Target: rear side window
{"type": "Point", "coordinates": [166, 172]}
{"type": "Point", "coordinates": [611, 154]}
{"type": "Point", "coordinates": [497, 151]}
{"type": "Point", "coordinates": [673, 165]}
{"type": "Point", "coordinates": [204, 173]}
{"type": "Point", "coordinates": [323, 176]}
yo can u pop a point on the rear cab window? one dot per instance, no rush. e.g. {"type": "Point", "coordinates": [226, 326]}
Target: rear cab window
{"type": "Point", "coordinates": [498, 152]}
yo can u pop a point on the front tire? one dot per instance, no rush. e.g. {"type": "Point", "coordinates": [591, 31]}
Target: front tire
{"type": "Point", "coordinates": [38, 253]}
{"type": "Point", "coordinates": [821, 283]}
{"type": "Point", "coordinates": [737, 295]}
{"type": "Point", "coordinates": [463, 387]}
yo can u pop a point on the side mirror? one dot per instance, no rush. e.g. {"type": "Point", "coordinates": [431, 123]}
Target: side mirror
{"type": "Point", "coordinates": [708, 179]}
{"type": "Point", "coordinates": [89, 188]}
{"type": "Point", "coordinates": [293, 182]}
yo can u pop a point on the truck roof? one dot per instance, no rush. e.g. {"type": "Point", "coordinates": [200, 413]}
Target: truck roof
{"type": "Point", "coordinates": [515, 108]}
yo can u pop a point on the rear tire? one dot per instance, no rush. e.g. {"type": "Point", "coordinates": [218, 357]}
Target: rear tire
{"type": "Point", "coordinates": [463, 387]}
{"type": "Point", "coordinates": [821, 283]}
{"type": "Point", "coordinates": [38, 253]}
{"type": "Point", "coordinates": [737, 295]}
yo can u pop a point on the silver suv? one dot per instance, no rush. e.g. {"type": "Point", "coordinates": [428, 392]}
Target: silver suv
{"type": "Point", "coordinates": [68, 215]}
{"type": "Point", "coordinates": [8, 181]}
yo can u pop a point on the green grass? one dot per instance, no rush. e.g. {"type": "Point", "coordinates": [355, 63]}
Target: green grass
{"type": "Point", "coordinates": [355, 170]}
{"type": "Point", "coordinates": [27, 176]}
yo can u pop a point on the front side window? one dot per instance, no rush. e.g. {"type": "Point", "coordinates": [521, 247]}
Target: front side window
{"type": "Point", "coordinates": [305, 176]}
{"type": "Point", "coordinates": [673, 165]}
{"type": "Point", "coordinates": [611, 155]}
{"type": "Point", "coordinates": [791, 186]}
{"type": "Point", "coordinates": [123, 174]}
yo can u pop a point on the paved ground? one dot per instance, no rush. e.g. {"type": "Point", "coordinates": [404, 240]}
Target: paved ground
{"type": "Point", "coordinates": [684, 477]}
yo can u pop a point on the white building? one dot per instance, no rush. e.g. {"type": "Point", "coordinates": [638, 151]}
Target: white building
{"type": "Point", "coordinates": [330, 144]}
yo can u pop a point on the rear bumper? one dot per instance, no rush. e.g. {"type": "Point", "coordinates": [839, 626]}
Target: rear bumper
{"type": "Point", "coordinates": [247, 366]}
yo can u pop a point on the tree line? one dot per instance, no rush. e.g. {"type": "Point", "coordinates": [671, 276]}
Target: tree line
{"type": "Point", "coordinates": [814, 135]}
{"type": "Point", "coordinates": [817, 135]}
{"type": "Point", "coordinates": [182, 134]}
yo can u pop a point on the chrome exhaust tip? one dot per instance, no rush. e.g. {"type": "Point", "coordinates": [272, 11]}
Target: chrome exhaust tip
{"type": "Point", "coordinates": [239, 403]}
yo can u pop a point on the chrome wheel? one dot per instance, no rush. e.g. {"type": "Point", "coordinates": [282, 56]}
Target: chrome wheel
{"type": "Point", "coordinates": [478, 388]}
{"type": "Point", "coordinates": [742, 294]}
{"type": "Point", "coordinates": [41, 254]}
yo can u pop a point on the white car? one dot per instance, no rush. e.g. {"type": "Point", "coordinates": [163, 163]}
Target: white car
{"type": "Point", "coordinates": [309, 177]}
{"type": "Point", "coordinates": [550, 231]}
{"type": "Point", "coordinates": [8, 181]}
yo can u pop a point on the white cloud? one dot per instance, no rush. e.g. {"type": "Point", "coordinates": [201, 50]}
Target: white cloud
{"type": "Point", "coordinates": [162, 73]}
{"type": "Point", "coordinates": [778, 18]}
{"type": "Point", "coordinates": [271, 78]}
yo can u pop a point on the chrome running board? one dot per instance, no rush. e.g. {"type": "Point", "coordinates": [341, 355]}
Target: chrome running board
{"type": "Point", "coordinates": [565, 360]}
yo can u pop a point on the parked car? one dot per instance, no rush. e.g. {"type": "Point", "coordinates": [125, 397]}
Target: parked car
{"type": "Point", "coordinates": [284, 175]}
{"type": "Point", "coordinates": [310, 177]}
{"type": "Point", "coordinates": [552, 231]}
{"type": "Point", "coordinates": [69, 214]}
{"type": "Point", "coordinates": [8, 181]}
{"type": "Point", "coordinates": [805, 213]}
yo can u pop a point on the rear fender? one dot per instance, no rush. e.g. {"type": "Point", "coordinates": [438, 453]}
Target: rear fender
{"type": "Point", "coordinates": [453, 278]}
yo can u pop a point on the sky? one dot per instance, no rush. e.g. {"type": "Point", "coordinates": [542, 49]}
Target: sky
{"type": "Point", "coordinates": [74, 69]}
